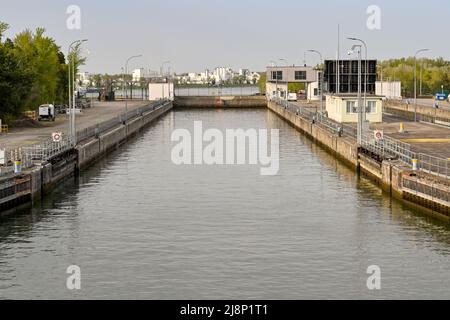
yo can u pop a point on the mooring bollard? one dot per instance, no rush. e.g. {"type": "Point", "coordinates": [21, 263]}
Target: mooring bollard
{"type": "Point", "coordinates": [415, 164]}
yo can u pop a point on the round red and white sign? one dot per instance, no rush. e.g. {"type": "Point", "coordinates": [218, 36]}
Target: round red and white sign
{"type": "Point", "coordinates": [378, 135]}
{"type": "Point", "coordinates": [57, 136]}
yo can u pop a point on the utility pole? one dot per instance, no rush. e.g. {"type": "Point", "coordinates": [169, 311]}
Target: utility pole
{"type": "Point", "coordinates": [162, 78]}
{"type": "Point", "coordinates": [320, 83]}
{"type": "Point", "coordinates": [71, 75]}
{"type": "Point", "coordinates": [365, 77]}
{"type": "Point", "coordinates": [126, 88]}
{"type": "Point", "coordinates": [360, 108]}
{"type": "Point", "coordinates": [415, 81]}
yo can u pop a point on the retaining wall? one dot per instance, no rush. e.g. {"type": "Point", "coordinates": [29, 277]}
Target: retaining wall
{"type": "Point", "coordinates": [221, 102]}
{"type": "Point", "coordinates": [44, 176]}
{"type": "Point", "coordinates": [392, 176]}
{"type": "Point", "coordinates": [408, 111]}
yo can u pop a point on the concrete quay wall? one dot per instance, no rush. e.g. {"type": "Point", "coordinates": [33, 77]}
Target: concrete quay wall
{"type": "Point", "coordinates": [392, 176]}
{"type": "Point", "coordinates": [32, 184]}
{"type": "Point", "coordinates": [408, 111]}
{"type": "Point", "coordinates": [90, 150]}
{"type": "Point", "coordinates": [221, 102]}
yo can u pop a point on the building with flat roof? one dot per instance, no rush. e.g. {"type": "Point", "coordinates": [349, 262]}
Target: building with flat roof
{"type": "Point", "coordinates": [343, 108]}
{"type": "Point", "coordinates": [391, 90]}
{"type": "Point", "coordinates": [279, 78]}
{"type": "Point", "coordinates": [347, 80]}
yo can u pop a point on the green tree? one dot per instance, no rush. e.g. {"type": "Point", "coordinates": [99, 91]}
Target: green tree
{"type": "Point", "coordinates": [41, 56]}
{"type": "Point", "coordinates": [3, 28]}
{"type": "Point", "coordinates": [435, 73]}
{"type": "Point", "coordinates": [15, 80]}
{"type": "Point", "coordinates": [262, 83]}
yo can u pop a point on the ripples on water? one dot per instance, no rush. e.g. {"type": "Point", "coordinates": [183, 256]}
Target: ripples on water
{"type": "Point", "coordinates": [141, 227]}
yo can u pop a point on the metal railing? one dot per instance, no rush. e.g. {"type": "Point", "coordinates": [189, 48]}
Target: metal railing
{"type": "Point", "coordinates": [46, 150]}
{"type": "Point", "coordinates": [187, 91]}
{"type": "Point", "coordinates": [434, 165]}
{"type": "Point", "coordinates": [312, 114]}
{"type": "Point", "coordinates": [99, 128]}
{"type": "Point", "coordinates": [386, 148]}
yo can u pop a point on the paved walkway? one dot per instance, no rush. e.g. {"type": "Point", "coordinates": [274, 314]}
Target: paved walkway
{"type": "Point", "coordinates": [424, 137]}
{"type": "Point", "coordinates": [101, 112]}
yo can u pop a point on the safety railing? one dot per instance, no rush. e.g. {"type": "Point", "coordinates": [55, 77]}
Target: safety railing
{"type": "Point", "coordinates": [46, 150]}
{"type": "Point", "coordinates": [388, 148]}
{"type": "Point", "coordinates": [312, 114]}
{"type": "Point", "coordinates": [187, 91]}
{"type": "Point", "coordinates": [49, 149]}
{"type": "Point", "coordinates": [109, 124]}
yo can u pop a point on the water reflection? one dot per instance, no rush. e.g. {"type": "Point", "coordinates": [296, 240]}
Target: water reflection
{"type": "Point", "coordinates": [140, 227]}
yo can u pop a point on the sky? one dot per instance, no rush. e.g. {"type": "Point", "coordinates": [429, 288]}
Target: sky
{"type": "Point", "coordinates": [198, 34]}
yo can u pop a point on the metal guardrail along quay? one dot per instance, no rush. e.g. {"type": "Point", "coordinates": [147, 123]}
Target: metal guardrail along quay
{"type": "Point", "coordinates": [386, 149]}
{"type": "Point", "coordinates": [48, 149]}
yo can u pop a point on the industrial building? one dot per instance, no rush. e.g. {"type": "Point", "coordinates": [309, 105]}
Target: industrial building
{"type": "Point", "coordinates": [391, 90]}
{"type": "Point", "coordinates": [347, 81]}
{"type": "Point", "coordinates": [161, 90]}
{"type": "Point", "coordinates": [342, 86]}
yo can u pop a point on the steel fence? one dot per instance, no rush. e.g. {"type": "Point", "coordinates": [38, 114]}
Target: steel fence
{"type": "Point", "coordinates": [46, 150]}
{"type": "Point", "coordinates": [312, 114]}
{"type": "Point", "coordinates": [216, 91]}
{"type": "Point", "coordinates": [386, 148]}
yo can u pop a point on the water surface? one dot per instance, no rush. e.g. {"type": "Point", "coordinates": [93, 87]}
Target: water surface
{"type": "Point", "coordinates": [142, 228]}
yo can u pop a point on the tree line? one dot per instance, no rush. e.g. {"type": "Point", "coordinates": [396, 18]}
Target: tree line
{"type": "Point", "coordinates": [433, 74]}
{"type": "Point", "coordinates": [33, 71]}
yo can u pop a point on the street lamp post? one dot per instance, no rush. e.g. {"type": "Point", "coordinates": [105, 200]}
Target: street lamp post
{"type": "Point", "coordinates": [71, 75]}
{"type": "Point", "coordinates": [321, 83]}
{"type": "Point", "coordinates": [415, 81]}
{"type": "Point", "coordinates": [274, 64]}
{"type": "Point", "coordinates": [162, 77]}
{"type": "Point", "coordinates": [361, 110]}
{"type": "Point", "coordinates": [287, 82]}
{"type": "Point", "coordinates": [366, 73]}
{"type": "Point", "coordinates": [126, 86]}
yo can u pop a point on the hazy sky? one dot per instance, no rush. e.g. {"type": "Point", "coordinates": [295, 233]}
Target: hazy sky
{"type": "Point", "coordinates": [196, 34]}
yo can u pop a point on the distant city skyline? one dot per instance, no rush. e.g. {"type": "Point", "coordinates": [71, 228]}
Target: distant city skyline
{"type": "Point", "coordinates": [195, 35]}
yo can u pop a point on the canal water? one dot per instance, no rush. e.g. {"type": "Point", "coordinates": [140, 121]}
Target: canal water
{"type": "Point", "coordinates": [140, 227]}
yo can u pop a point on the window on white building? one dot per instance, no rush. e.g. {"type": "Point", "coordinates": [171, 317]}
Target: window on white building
{"type": "Point", "coordinates": [371, 107]}
{"type": "Point", "coordinates": [277, 75]}
{"type": "Point", "coordinates": [300, 75]}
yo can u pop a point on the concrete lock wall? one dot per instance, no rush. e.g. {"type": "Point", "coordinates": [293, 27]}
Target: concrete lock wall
{"type": "Point", "coordinates": [88, 152]}
{"type": "Point", "coordinates": [92, 149]}
{"type": "Point", "coordinates": [390, 175]}
{"type": "Point", "coordinates": [43, 177]}
{"type": "Point", "coordinates": [339, 146]}
{"type": "Point", "coordinates": [112, 138]}
{"type": "Point", "coordinates": [409, 110]}
{"type": "Point", "coordinates": [134, 126]}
